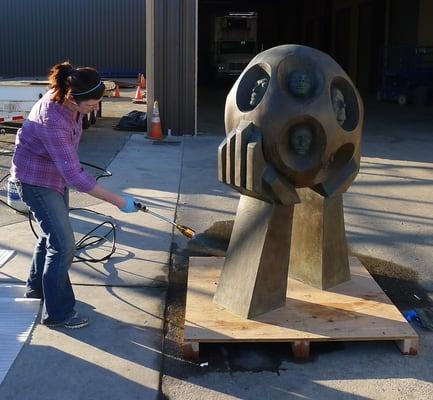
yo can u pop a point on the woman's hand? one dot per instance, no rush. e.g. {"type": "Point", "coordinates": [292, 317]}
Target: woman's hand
{"type": "Point", "coordinates": [129, 206]}
{"type": "Point", "coordinates": [124, 203]}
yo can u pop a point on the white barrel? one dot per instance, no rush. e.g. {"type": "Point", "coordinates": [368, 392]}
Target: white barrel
{"type": "Point", "coordinates": [14, 198]}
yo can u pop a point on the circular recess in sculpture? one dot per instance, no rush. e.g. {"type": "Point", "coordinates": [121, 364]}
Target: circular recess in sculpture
{"type": "Point", "coordinates": [337, 161]}
{"type": "Point", "coordinates": [344, 104]}
{"type": "Point", "coordinates": [342, 156]}
{"type": "Point", "coordinates": [301, 79]}
{"type": "Point", "coordinates": [303, 145]}
{"type": "Point", "coordinates": [252, 87]}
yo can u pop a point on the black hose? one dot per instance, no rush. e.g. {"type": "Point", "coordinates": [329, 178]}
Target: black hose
{"type": "Point", "coordinates": [88, 239]}
{"type": "Point", "coordinates": [105, 172]}
{"type": "Point", "coordinates": [91, 240]}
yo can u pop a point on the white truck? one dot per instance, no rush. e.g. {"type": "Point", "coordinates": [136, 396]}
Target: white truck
{"type": "Point", "coordinates": [235, 43]}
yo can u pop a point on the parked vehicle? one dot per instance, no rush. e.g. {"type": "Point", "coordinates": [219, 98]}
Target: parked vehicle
{"type": "Point", "coordinates": [18, 97]}
{"type": "Point", "coordinates": [407, 74]}
{"type": "Point", "coordinates": [235, 43]}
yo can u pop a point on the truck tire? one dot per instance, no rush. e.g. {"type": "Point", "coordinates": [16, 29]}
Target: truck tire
{"type": "Point", "coordinates": [379, 95]}
{"type": "Point", "coordinates": [92, 117]}
{"type": "Point", "coordinates": [402, 99]}
{"type": "Point", "coordinates": [86, 122]}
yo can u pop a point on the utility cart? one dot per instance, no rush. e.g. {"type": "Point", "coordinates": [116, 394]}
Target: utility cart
{"type": "Point", "coordinates": [407, 74]}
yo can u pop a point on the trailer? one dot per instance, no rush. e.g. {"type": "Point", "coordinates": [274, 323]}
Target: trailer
{"type": "Point", "coordinates": [18, 97]}
{"type": "Point", "coordinates": [407, 74]}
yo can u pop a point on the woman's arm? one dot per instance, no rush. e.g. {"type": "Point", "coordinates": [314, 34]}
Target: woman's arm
{"type": "Point", "coordinates": [101, 193]}
{"type": "Point", "coordinates": [60, 147]}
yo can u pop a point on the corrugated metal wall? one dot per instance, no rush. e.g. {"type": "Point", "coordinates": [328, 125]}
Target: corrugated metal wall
{"type": "Point", "coordinates": [172, 62]}
{"type": "Point", "coordinates": [107, 34]}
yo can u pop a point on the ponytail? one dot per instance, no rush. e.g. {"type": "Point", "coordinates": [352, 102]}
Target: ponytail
{"type": "Point", "coordinates": [82, 83]}
{"type": "Point", "coordinates": [58, 79]}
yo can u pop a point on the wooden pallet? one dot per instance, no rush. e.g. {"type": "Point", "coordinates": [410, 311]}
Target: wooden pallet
{"type": "Point", "coordinates": [357, 310]}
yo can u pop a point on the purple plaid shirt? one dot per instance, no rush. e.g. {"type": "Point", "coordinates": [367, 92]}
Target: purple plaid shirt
{"type": "Point", "coordinates": [46, 149]}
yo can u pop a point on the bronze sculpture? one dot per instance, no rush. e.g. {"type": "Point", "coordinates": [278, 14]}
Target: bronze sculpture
{"type": "Point", "coordinates": [293, 123]}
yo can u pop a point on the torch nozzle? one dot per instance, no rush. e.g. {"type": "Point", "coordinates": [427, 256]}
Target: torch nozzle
{"type": "Point", "coordinates": [184, 230]}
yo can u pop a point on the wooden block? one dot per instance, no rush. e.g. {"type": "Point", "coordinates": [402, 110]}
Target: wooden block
{"type": "Point", "coordinates": [191, 351]}
{"type": "Point", "coordinates": [408, 346]}
{"type": "Point", "coordinates": [301, 349]}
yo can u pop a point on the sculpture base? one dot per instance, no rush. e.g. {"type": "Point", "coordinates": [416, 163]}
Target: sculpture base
{"type": "Point", "coordinates": [357, 310]}
{"type": "Point", "coordinates": [318, 254]}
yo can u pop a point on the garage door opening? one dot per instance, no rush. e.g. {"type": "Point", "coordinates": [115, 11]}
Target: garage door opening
{"type": "Point", "coordinates": [232, 32]}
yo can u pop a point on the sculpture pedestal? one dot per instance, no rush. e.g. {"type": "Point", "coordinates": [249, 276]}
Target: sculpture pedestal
{"type": "Point", "coordinates": [318, 254]}
{"type": "Point", "coordinates": [254, 277]}
{"type": "Point", "coordinates": [357, 310]}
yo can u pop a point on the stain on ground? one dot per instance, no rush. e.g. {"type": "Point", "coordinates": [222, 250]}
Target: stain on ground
{"type": "Point", "coordinates": [213, 241]}
{"type": "Point", "coordinates": [400, 283]}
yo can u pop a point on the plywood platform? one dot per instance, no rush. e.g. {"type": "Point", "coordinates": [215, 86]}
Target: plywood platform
{"type": "Point", "coordinates": [357, 310]}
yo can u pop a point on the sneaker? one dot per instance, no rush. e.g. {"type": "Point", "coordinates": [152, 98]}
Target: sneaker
{"type": "Point", "coordinates": [76, 321]}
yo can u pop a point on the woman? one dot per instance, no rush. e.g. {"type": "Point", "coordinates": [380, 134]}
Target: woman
{"type": "Point", "coordinates": [44, 165]}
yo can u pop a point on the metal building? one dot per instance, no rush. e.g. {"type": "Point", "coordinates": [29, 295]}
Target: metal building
{"type": "Point", "coordinates": [107, 34]}
{"type": "Point", "coordinates": [113, 36]}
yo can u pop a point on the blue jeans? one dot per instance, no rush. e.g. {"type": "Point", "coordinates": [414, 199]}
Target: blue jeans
{"type": "Point", "coordinates": [53, 253]}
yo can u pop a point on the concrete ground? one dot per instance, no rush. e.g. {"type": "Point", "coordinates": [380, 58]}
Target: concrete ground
{"type": "Point", "coordinates": [119, 355]}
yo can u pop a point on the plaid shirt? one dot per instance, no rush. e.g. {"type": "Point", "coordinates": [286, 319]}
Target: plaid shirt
{"type": "Point", "coordinates": [46, 149]}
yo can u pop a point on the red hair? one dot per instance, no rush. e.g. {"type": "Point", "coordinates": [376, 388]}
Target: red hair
{"type": "Point", "coordinates": [64, 79]}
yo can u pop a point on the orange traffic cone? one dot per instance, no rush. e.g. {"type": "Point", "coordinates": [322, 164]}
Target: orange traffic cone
{"type": "Point", "coordinates": [138, 96]}
{"type": "Point", "coordinates": [116, 91]}
{"type": "Point", "coordinates": [156, 131]}
{"type": "Point", "coordinates": [143, 82]}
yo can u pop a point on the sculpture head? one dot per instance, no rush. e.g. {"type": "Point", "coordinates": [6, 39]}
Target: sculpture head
{"type": "Point", "coordinates": [300, 83]}
{"type": "Point", "coordinates": [338, 105]}
{"type": "Point", "coordinates": [300, 139]}
{"type": "Point", "coordinates": [258, 91]}
{"type": "Point", "coordinates": [311, 122]}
